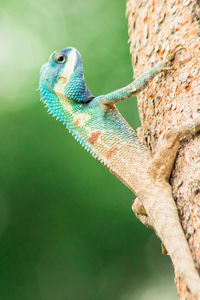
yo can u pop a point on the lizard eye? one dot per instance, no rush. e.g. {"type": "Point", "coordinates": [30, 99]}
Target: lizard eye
{"type": "Point", "coordinates": [60, 58]}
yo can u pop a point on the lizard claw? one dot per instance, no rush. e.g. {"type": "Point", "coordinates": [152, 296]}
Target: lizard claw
{"type": "Point", "coordinates": [172, 53]}
{"type": "Point", "coordinates": [166, 69]}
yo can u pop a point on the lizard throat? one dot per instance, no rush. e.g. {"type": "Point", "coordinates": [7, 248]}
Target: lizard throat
{"type": "Point", "coordinates": [77, 90]}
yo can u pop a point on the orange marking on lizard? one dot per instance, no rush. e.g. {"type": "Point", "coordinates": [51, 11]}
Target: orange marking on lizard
{"type": "Point", "coordinates": [77, 122]}
{"type": "Point", "coordinates": [94, 137]}
{"type": "Point", "coordinates": [112, 152]}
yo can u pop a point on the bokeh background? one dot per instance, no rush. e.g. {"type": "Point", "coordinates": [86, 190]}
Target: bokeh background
{"type": "Point", "coordinates": [67, 231]}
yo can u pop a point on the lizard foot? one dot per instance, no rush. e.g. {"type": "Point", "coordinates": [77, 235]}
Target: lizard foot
{"type": "Point", "coordinates": [190, 127]}
{"type": "Point", "coordinates": [140, 212]}
{"type": "Point", "coordinates": [171, 53]}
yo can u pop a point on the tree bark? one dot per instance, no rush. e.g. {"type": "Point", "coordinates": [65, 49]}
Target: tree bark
{"type": "Point", "coordinates": [155, 26]}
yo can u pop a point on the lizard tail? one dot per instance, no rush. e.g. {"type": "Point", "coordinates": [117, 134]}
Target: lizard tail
{"type": "Point", "coordinates": [164, 218]}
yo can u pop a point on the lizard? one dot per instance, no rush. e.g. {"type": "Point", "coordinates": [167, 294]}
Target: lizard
{"type": "Point", "coordinates": [97, 125]}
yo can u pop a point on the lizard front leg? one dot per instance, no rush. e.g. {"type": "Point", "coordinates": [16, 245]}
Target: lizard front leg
{"type": "Point", "coordinates": [140, 83]}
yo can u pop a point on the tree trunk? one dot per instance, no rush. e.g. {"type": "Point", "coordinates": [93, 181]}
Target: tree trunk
{"type": "Point", "coordinates": [155, 26]}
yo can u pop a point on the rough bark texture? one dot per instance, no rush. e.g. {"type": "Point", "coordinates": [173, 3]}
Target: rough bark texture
{"type": "Point", "coordinates": [155, 26]}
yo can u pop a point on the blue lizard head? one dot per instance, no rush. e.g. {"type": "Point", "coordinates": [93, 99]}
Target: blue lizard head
{"type": "Point", "coordinates": [63, 75]}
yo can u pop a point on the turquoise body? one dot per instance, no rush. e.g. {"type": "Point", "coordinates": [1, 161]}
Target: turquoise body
{"type": "Point", "coordinates": [94, 121]}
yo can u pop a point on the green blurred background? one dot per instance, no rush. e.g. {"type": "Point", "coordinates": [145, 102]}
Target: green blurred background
{"type": "Point", "coordinates": [66, 226]}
